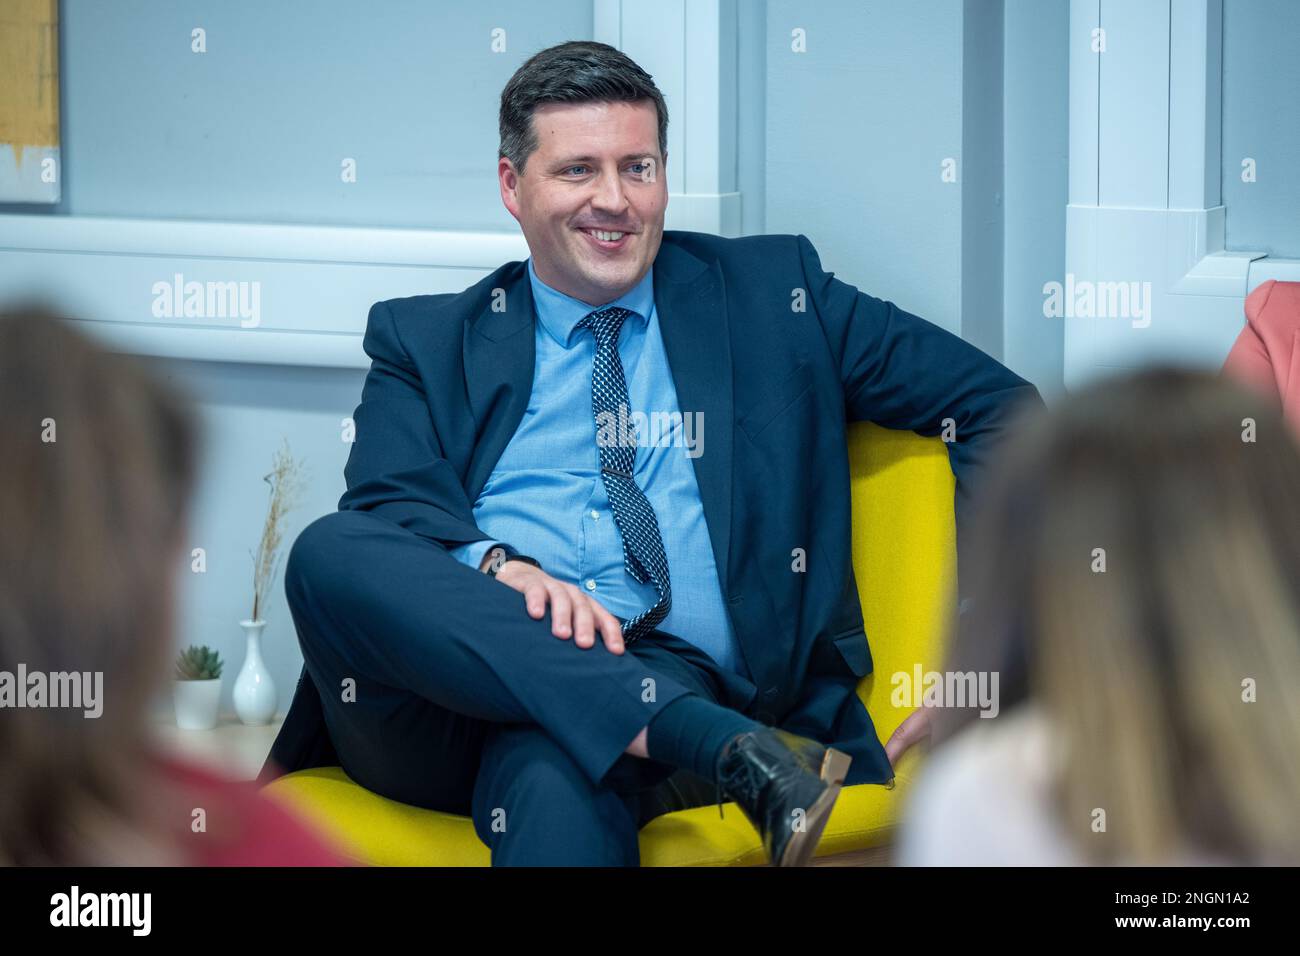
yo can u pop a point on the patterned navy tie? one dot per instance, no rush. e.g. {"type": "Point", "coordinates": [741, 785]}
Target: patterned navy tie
{"type": "Point", "coordinates": [643, 548]}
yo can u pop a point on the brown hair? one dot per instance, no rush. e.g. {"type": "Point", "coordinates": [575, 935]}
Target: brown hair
{"type": "Point", "coordinates": [579, 71]}
{"type": "Point", "coordinates": [1142, 669]}
{"type": "Point", "coordinates": [98, 461]}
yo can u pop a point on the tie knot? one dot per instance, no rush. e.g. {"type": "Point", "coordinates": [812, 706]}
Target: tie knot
{"type": "Point", "coordinates": [606, 323]}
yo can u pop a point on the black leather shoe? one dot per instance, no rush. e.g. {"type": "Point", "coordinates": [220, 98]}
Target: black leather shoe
{"type": "Point", "coordinates": [786, 785]}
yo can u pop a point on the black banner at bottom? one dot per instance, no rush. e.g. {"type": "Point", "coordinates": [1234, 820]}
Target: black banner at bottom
{"type": "Point", "coordinates": [373, 905]}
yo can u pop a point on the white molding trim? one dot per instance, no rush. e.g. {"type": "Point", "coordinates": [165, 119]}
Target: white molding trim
{"type": "Point", "coordinates": [716, 213]}
{"type": "Point", "coordinates": [1198, 253]}
{"type": "Point", "coordinates": [1219, 274]}
{"type": "Point", "coordinates": [312, 285]}
{"type": "Point", "coordinates": [1085, 66]}
{"type": "Point", "coordinates": [315, 284]}
{"type": "Point", "coordinates": [1283, 270]}
{"type": "Point", "coordinates": [183, 238]}
{"type": "Point", "coordinates": [607, 22]}
{"type": "Point", "coordinates": [1145, 203]}
{"type": "Point", "coordinates": [690, 47]}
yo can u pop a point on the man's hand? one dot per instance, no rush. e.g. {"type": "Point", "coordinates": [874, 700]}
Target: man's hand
{"type": "Point", "coordinates": [572, 612]}
{"type": "Point", "coordinates": [914, 728]}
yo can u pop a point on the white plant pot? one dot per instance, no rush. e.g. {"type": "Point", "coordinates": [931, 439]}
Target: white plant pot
{"type": "Point", "coordinates": [196, 703]}
{"type": "Point", "coordinates": [254, 693]}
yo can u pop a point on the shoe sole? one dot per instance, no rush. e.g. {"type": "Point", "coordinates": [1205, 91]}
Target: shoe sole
{"type": "Point", "coordinates": [835, 766]}
{"type": "Point", "coordinates": [800, 849]}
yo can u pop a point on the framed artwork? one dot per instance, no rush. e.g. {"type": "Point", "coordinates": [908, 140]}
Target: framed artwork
{"type": "Point", "coordinates": [29, 101]}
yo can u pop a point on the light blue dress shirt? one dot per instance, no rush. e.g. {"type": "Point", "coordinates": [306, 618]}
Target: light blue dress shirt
{"type": "Point", "coordinates": [545, 496]}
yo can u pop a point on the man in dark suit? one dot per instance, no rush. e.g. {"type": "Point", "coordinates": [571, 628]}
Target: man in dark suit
{"type": "Point", "coordinates": [593, 561]}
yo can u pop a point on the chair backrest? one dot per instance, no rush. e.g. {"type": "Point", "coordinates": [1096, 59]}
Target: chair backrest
{"type": "Point", "coordinates": [904, 556]}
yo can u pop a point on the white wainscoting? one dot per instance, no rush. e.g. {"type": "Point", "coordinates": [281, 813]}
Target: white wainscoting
{"type": "Point", "coordinates": [314, 285]}
{"type": "Point", "coordinates": [1145, 204]}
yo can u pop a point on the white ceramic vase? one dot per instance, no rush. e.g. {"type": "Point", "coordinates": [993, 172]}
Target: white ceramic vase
{"type": "Point", "coordinates": [254, 694]}
{"type": "Point", "coordinates": [196, 703]}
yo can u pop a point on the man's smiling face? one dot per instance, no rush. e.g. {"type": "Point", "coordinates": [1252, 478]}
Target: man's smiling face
{"type": "Point", "coordinates": [596, 169]}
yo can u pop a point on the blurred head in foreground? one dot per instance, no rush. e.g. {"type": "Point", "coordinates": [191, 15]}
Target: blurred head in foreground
{"type": "Point", "coordinates": [97, 465]}
{"type": "Point", "coordinates": [1139, 588]}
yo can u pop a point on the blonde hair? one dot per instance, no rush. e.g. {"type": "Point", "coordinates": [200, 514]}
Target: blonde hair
{"type": "Point", "coordinates": [1145, 669]}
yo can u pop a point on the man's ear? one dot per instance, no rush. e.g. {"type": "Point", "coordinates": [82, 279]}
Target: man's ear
{"type": "Point", "coordinates": [508, 180]}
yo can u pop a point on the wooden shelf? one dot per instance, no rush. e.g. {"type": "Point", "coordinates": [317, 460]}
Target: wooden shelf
{"type": "Point", "coordinates": [231, 748]}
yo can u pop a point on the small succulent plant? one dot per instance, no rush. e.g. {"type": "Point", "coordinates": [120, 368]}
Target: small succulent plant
{"type": "Point", "coordinates": [198, 662]}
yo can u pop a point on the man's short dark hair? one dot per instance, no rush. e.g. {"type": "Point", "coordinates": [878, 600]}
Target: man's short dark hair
{"type": "Point", "coordinates": [580, 71]}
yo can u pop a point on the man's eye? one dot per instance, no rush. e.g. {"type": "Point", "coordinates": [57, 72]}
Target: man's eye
{"type": "Point", "coordinates": [639, 167]}
{"type": "Point", "coordinates": [572, 168]}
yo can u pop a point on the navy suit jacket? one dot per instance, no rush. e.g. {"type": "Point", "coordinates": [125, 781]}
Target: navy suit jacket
{"type": "Point", "coordinates": [778, 355]}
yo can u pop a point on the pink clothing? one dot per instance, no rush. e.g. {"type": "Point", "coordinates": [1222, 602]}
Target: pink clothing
{"type": "Point", "coordinates": [246, 828]}
{"type": "Point", "coordinates": [1266, 355]}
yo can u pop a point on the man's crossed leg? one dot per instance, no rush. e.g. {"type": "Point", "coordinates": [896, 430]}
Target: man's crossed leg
{"type": "Point", "coordinates": [439, 690]}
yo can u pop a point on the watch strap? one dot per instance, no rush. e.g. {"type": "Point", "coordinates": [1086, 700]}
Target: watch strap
{"type": "Point", "coordinates": [510, 554]}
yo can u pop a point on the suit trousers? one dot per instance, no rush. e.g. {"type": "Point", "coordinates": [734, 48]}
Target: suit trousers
{"type": "Point", "coordinates": [439, 690]}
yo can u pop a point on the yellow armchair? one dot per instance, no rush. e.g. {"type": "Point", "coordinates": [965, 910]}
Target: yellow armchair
{"type": "Point", "coordinates": [903, 557]}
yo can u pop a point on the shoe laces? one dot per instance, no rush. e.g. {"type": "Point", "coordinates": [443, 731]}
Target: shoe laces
{"type": "Point", "coordinates": [741, 778]}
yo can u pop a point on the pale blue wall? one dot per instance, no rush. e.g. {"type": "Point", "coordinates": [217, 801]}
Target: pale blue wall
{"type": "Point", "coordinates": [246, 411]}
{"type": "Point", "coordinates": [255, 129]}
{"type": "Point", "coordinates": [859, 125]}
{"type": "Point", "coordinates": [1035, 151]}
{"type": "Point", "coordinates": [857, 129]}
{"type": "Point", "coordinates": [1261, 120]}
{"type": "Point", "coordinates": [982, 221]}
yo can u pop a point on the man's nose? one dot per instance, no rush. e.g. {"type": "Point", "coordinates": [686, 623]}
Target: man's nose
{"type": "Point", "coordinates": [610, 196]}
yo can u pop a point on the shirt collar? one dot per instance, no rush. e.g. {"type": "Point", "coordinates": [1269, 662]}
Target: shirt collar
{"type": "Point", "coordinates": [560, 313]}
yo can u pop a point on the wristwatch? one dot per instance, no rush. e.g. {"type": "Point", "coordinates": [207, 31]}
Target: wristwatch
{"type": "Point", "coordinates": [501, 553]}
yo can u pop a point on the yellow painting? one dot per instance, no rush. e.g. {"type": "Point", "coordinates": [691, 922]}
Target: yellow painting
{"type": "Point", "coordinates": [29, 101]}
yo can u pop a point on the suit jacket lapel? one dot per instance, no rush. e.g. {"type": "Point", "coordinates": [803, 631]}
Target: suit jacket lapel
{"type": "Point", "coordinates": [690, 301]}
{"type": "Point", "coordinates": [499, 353]}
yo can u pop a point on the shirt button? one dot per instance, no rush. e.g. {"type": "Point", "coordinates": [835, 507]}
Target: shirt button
{"type": "Point", "coordinates": [595, 515]}
{"type": "Point", "coordinates": [591, 584]}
